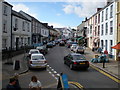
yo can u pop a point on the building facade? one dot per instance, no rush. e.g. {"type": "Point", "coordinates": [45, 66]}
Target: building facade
{"type": "Point", "coordinates": [5, 9]}
{"type": "Point", "coordinates": [118, 27]}
{"type": "Point", "coordinates": [21, 31]}
{"type": "Point", "coordinates": [108, 27]}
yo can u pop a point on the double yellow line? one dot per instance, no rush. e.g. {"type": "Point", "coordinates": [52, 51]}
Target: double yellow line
{"type": "Point", "coordinates": [113, 78]}
{"type": "Point", "coordinates": [76, 84]}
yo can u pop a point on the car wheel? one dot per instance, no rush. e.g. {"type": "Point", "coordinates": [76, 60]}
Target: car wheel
{"type": "Point", "coordinates": [64, 62]}
{"type": "Point", "coordinates": [71, 66]}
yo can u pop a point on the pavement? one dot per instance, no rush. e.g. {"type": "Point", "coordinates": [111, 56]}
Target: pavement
{"type": "Point", "coordinates": [111, 67]}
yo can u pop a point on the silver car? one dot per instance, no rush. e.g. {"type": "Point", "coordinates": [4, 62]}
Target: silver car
{"type": "Point", "coordinates": [37, 61]}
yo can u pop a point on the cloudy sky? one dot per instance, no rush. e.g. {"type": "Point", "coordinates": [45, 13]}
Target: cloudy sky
{"type": "Point", "coordinates": [59, 13]}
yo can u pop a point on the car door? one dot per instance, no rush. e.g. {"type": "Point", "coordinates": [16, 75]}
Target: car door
{"type": "Point", "coordinates": [70, 60]}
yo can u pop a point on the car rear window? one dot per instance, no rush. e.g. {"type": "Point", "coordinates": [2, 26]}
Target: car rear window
{"type": "Point", "coordinates": [78, 57]}
{"type": "Point", "coordinates": [37, 57]}
{"type": "Point", "coordinates": [32, 52]}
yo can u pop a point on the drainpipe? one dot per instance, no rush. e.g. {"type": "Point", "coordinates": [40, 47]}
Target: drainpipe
{"type": "Point", "coordinates": [11, 28]}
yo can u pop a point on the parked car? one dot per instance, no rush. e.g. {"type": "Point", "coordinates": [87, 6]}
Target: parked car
{"type": "Point", "coordinates": [62, 43]}
{"type": "Point", "coordinates": [49, 45]}
{"type": "Point", "coordinates": [73, 46]}
{"type": "Point", "coordinates": [42, 49]}
{"type": "Point", "coordinates": [33, 51]}
{"type": "Point", "coordinates": [37, 61]}
{"type": "Point", "coordinates": [69, 43]}
{"type": "Point", "coordinates": [79, 49]}
{"type": "Point", "coordinates": [76, 61]}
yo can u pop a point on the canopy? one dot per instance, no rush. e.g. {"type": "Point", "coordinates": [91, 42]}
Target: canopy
{"type": "Point", "coordinates": [116, 46]}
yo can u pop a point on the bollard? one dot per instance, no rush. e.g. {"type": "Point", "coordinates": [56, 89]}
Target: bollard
{"type": "Point", "coordinates": [16, 65]}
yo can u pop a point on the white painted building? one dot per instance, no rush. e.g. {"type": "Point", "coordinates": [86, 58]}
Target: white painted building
{"type": "Point", "coordinates": [5, 24]}
{"type": "Point", "coordinates": [21, 30]}
{"type": "Point", "coordinates": [108, 27]}
{"type": "Point", "coordinates": [44, 32]}
{"type": "Point", "coordinates": [67, 33]}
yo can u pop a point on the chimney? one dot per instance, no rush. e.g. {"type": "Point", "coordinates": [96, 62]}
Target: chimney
{"type": "Point", "coordinates": [51, 26]}
{"type": "Point", "coordinates": [46, 24]}
{"type": "Point", "coordinates": [98, 9]}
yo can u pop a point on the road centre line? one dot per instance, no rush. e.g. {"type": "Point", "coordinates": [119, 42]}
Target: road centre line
{"type": "Point", "coordinates": [108, 75]}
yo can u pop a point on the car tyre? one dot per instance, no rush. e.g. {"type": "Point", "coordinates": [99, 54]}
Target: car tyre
{"type": "Point", "coordinates": [64, 62]}
{"type": "Point", "coordinates": [71, 66]}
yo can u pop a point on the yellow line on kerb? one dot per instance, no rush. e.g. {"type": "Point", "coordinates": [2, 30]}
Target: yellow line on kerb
{"type": "Point", "coordinates": [76, 83]}
{"type": "Point", "coordinates": [113, 78]}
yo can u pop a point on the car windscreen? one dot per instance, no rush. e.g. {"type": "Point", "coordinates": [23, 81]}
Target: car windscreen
{"type": "Point", "coordinates": [37, 57]}
{"type": "Point", "coordinates": [40, 47]}
{"type": "Point", "coordinates": [32, 52]}
{"type": "Point", "coordinates": [78, 57]}
{"type": "Point", "coordinates": [80, 47]}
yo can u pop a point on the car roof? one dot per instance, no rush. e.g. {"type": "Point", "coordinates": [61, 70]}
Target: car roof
{"type": "Point", "coordinates": [33, 49]}
{"type": "Point", "coordinates": [75, 54]}
{"type": "Point", "coordinates": [37, 54]}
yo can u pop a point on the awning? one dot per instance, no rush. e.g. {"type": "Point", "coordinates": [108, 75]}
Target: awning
{"type": "Point", "coordinates": [80, 38]}
{"type": "Point", "coordinates": [116, 46]}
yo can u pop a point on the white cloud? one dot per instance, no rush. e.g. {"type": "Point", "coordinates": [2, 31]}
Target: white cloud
{"type": "Point", "coordinates": [18, 7]}
{"type": "Point", "coordinates": [83, 8]}
{"type": "Point", "coordinates": [58, 14]}
{"type": "Point", "coordinates": [55, 25]}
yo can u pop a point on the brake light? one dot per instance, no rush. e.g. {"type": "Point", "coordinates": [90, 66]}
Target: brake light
{"type": "Point", "coordinates": [75, 63]}
{"type": "Point", "coordinates": [30, 62]}
{"type": "Point", "coordinates": [45, 61]}
{"type": "Point", "coordinates": [87, 63]}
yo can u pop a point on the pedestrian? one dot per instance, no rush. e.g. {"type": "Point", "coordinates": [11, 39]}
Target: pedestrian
{"type": "Point", "coordinates": [17, 85]}
{"type": "Point", "coordinates": [11, 85]}
{"type": "Point", "coordinates": [35, 84]}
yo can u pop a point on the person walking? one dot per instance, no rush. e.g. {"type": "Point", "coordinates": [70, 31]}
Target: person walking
{"type": "Point", "coordinates": [11, 85]}
{"type": "Point", "coordinates": [35, 84]}
{"type": "Point", "coordinates": [17, 85]}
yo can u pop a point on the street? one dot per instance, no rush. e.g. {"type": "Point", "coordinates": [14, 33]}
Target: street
{"type": "Point", "coordinates": [87, 78]}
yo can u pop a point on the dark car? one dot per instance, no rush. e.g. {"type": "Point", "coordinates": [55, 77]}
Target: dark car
{"type": "Point", "coordinates": [76, 61]}
{"type": "Point", "coordinates": [49, 45]}
{"type": "Point", "coordinates": [62, 43]}
{"type": "Point", "coordinates": [42, 49]}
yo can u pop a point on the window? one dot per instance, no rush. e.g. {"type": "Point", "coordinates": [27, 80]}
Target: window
{"type": "Point", "coordinates": [91, 29]}
{"type": "Point", "coordinates": [102, 32]}
{"type": "Point", "coordinates": [23, 26]}
{"type": "Point", "coordinates": [28, 40]}
{"type": "Point", "coordinates": [111, 27]}
{"type": "Point", "coordinates": [102, 16]}
{"type": "Point", "coordinates": [102, 44]}
{"type": "Point", "coordinates": [99, 18]}
{"type": "Point", "coordinates": [28, 27]}
{"type": "Point", "coordinates": [4, 26]}
{"type": "Point", "coordinates": [95, 19]}
{"type": "Point", "coordinates": [16, 23]}
{"type": "Point", "coordinates": [98, 30]}
{"type": "Point", "coordinates": [106, 45]}
{"type": "Point", "coordinates": [106, 31]}
{"type": "Point", "coordinates": [111, 11]}
{"type": "Point", "coordinates": [106, 14]}
{"type": "Point", "coordinates": [95, 31]}
{"type": "Point", "coordinates": [111, 44]}
{"type": "Point", "coordinates": [4, 43]}
{"type": "Point", "coordinates": [5, 10]}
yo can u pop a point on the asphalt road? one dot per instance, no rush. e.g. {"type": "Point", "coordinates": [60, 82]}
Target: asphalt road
{"type": "Point", "coordinates": [88, 79]}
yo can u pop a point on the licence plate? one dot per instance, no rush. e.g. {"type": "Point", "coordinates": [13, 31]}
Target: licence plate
{"type": "Point", "coordinates": [82, 63]}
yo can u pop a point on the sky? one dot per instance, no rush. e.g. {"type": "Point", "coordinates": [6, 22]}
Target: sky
{"type": "Point", "coordinates": [59, 13]}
